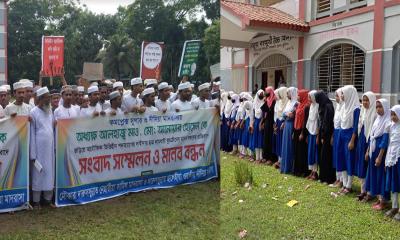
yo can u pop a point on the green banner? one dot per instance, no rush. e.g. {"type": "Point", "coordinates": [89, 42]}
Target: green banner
{"type": "Point", "coordinates": [189, 57]}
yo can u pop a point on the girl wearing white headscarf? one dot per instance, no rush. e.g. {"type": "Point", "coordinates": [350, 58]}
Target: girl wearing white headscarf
{"type": "Point", "coordinates": [335, 141]}
{"type": "Point", "coordinates": [348, 133]}
{"type": "Point", "coordinates": [367, 118]}
{"type": "Point", "coordinates": [392, 162]}
{"type": "Point", "coordinates": [240, 124]}
{"type": "Point", "coordinates": [312, 127]}
{"type": "Point", "coordinates": [258, 136]}
{"type": "Point", "coordinates": [287, 141]}
{"type": "Point", "coordinates": [225, 146]}
{"type": "Point", "coordinates": [378, 143]}
{"type": "Point", "coordinates": [281, 96]}
{"type": "Point", "coordinates": [247, 135]}
{"type": "Point", "coordinates": [233, 138]}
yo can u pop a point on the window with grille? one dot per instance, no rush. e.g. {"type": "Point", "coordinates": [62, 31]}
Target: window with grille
{"type": "Point", "coordinates": [326, 8]}
{"type": "Point", "coordinates": [340, 65]}
{"type": "Point", "coordinates": [323, 6]}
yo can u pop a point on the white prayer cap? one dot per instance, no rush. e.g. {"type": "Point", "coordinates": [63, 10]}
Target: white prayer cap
{"type": "Point", "coordinates": [148, 91]}
{"type": "Point", "coordinates": [192, 85]}
{"type": "Point", "coordinates": [27, 83]}
{"type": "Point", "coordinates": [135, 81]}
{"type": "Point", "coordinates": [108, 82]}
{"type": "Point", "coordinates": [114, 94]}
{"type": "Point", "coordinates": [92, 89]}
{"type": "Point", "coordinates": [18, 85]}
{"type": "Point", "coordinates": [150, 82]}
{"type": "Point", "coordinates": [163, 85]}
{"type": "Point", "coordinates": [217, 83]}
{"type": "Point", "coordinates": [118, 84]}
{"type": "Point", "coordinates": [8, 87]}
{"type": "Point", "coordinates": [81, 89]}
{"type": "Point", "coordinates": [86, 97]}
{"type": "Point", "coordinates": [35, 89]}
{"type": "Point", "coordinates": [204, 86]}
{"type": "Point", "coordinates": [94, 84]}
{"type": "Point", "coordinates": [3, 89]}
{"type": "Point", "coordinates": [185, 85]}
{"type": "Point", "coordinates": [42, 91]}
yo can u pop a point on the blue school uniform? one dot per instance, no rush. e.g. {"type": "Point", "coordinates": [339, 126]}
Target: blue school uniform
{"type": "Point", "coordinates": [287, 146]}
{"type": "Point", "coordinates": [245, 133]}
{"type": "Point", "coordinates": [258, 136]}
{"type": "Point", "coordinates": [346, 158]}
{"type": "Point", "coordinates": [393, 178]}
{"type": "Point", "coordinates": [336, 147]}
{"type": "Point", "coordinates": [233, 136]}
{"type": "Point", "coordinates": [312, 150]}
{"type": "Point", "coordinates": [361, 164]}
{"type": "Point", "coordinates": [225, 146]}
{"type": "Point", "coordinates": [278, 138]}
{"type": "Point", "coordinates": [376, 178]}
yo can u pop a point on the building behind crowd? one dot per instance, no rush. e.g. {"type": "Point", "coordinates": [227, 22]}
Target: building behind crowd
{"type": "Point", "coordinates": [314, 44]}
{"type": "Point", "coordinates": [3, 42]}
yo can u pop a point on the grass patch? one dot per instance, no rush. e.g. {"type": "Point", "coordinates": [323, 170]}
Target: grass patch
{"type": "Point", "coordinates": [243, 173]}
{"type": "Point", "coordinates": [265, 215]}
{"type": "Point", "coordinates": [184, 212]}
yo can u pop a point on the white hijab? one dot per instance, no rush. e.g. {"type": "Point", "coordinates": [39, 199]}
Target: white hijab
{"type": "Point", "coordinates": [339, 107]}
{"type": "Point", "coordinates": [351, 102]}
{"type": "Point", "coordinates": [367, 116]}
{"type": "Point", "coordinates": [240, 112]}
{"type": "Point", "coordinates": [393, 152]}
{"type": "Point", "coordinates": [248, 107]}
{"type": "Point", "coordinates": [257, 104]}
{"type": "Point", "coordinates": [312, 121]}
{"type": "Point", "coordinates": [292, 92]}
{"type": "Point", "coordinates": [280, 105]}
{"type": "Point", "coordinates": [228, 105]}
{"type": "Point", "coordinates": [235, 105]}
{"type": "Point", "coordinates": [380, 125]}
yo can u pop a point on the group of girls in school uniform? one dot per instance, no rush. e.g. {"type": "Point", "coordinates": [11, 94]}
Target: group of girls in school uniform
{"type": "Point", "coordinates": [306, 134]}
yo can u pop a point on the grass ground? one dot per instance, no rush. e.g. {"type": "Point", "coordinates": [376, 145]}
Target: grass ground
{"type": "Point", "coordinates": [318, 215]}
{"type": "Point", "coordinates": [184, 212]}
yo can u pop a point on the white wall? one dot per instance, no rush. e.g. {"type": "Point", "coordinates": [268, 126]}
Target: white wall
{"type": "Point", "coordinates": [357, 29]}
{"type": "Point", "coordinates": [286, 47]}
{"type": "Point", "coordinates": [289, 6]}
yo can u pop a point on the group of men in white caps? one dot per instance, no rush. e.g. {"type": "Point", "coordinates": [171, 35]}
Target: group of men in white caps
{"type": "Point", "coordinates": [104, 98]}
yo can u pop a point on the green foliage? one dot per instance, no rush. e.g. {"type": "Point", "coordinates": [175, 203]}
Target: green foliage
{"type": "Point", "coordinates": [168, 21]}
{"type": "Point", "coordinates": [243, 173]}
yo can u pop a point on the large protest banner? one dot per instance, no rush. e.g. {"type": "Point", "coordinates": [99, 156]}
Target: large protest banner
{"type": "Point", "coordinates": [14, 160]}
{"type": "Point", "coordinates": [190, 54]}
{"type": "Point", "coordinates": [151, 60]}
{"type": "Point", "coordinates": [52, 55]}
{"type": "Point", "coordinates": [106, 157]}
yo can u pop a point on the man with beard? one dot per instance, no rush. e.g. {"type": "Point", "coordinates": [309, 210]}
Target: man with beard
{"type": "Point", "coordinates": [162, 103]}
{"type": "Point", "coordinates": [185, 96]}
{"type": "Point", "coordinates": [55, 99]}
{"type": "Point", "coordinates": [3, 97]}
{"type": "Point", "coordinates": [18, 107]}
{"type": "Point", "coordinates": [42, 148]}
{"type": "Point", "coordinates": [94, 108]}
{"type": "Point", "coordinates": [204, 94]}
{"type": "Point", "coordinates": [103, 98]}
{"type": "Point", "coordinates": [132, 102]}
{"type": "Point", "coordinates": [116, 101]}
{"type": "Point", "coordinates": [149, 96]}
{"type": "Point", "coordinates": [66, 110]}
{"type": "Point", "coordinates": [28, 98]}
{"type": "Point", "coordinates": [81, 94]}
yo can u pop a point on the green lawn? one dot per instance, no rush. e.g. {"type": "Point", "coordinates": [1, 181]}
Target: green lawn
{"type": "Point", "coordinates": [318, 215]}
{"type": "Point", "coordinates": [184, 212]}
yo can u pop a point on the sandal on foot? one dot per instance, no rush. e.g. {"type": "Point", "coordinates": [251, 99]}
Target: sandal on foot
{"type": "Point", "coordinates": [391, 212]}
